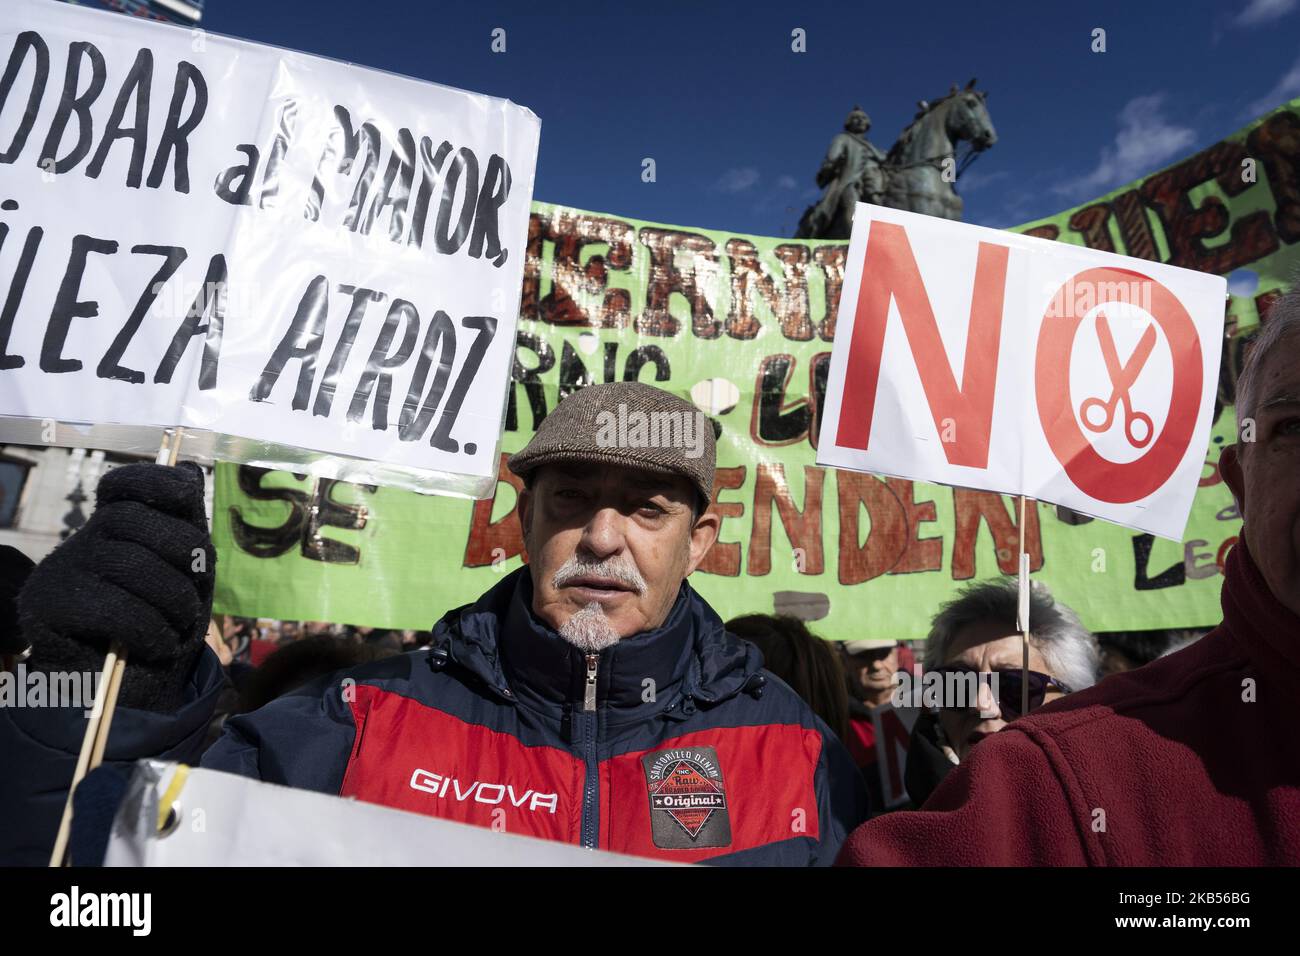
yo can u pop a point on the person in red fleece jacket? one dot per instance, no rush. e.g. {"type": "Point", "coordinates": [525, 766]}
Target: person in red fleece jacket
{"type": "Point", "coordinates": [1192, 760]}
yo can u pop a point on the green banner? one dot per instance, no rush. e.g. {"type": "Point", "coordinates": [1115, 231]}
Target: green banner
{"type": "Point", "coordinates": [743, 325]}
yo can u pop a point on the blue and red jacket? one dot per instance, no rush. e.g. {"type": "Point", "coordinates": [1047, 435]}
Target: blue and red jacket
{"type": "Point", "coordinates": [672, 744]}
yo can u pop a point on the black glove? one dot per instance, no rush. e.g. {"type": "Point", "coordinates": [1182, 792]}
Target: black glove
{"type": "Point", "coordinates": [139, 572]}
{"type": "Point", "coordinates": [14, 569]}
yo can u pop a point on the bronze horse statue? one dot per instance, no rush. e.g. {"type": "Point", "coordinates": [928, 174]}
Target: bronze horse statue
{"type": "Point", "coordinates": [920, 170]}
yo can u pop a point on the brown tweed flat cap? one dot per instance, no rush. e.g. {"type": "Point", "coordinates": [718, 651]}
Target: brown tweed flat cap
{"type": "Point", "coordinates": [630, 424]}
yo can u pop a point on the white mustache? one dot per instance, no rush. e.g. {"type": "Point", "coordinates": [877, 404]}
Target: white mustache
{"type": "Point", "coordinates": [620, 570]}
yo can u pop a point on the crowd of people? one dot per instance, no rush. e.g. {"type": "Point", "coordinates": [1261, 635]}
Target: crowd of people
{"type": "Point", "coordinates": [596, 680]}
{"type": "Point", "coordinates": [249, 640]}
{"type": "Point", "coordinates": [843, 682]}
{"type": "Point", "coordinates": [846, 682]}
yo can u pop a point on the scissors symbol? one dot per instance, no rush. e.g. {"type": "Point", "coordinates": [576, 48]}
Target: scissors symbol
{"type": "Point", "coordinates": [1121, 380]}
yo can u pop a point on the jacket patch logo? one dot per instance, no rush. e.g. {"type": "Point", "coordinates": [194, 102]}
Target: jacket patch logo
{"type": "Point", "coordinates": [688, 799]}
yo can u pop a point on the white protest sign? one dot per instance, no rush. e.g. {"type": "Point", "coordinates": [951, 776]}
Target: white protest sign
{"type": "Point", "coordinates": [979, 358]}
{"type": "Point", "coordinates": [893, 726]}
{"type": "Point", "coordinates": [221, 819]}
{"type": "Point", "coordinates": [201, 231]}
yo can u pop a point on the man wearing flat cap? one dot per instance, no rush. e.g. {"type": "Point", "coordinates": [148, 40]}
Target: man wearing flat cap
{"type": "Point", "coordinates": [591, 697]}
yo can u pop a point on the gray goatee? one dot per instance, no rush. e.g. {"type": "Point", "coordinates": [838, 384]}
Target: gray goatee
{"type": "Point", "coordinates": [589, 630]}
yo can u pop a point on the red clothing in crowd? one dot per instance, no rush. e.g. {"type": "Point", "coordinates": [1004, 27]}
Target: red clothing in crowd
{"type": "Point", "coordinates": [862, 729]}
{"type": "Point", "coordinates": [1190, 760]}
{"type": "Point", "coordinates": [862, 740]}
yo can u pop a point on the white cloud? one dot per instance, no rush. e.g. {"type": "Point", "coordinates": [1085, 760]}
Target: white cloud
{"type": "Point", "coordinates": [1286, 88]}
{"type": "Point", "coordinates": [1263, 11]}
{"type": "Point", "coordinates": [1019, 207]}
{"type": "Point", "coordinates": [737, 180]}
{"type": "Point", "coordinates": [969, 182]}
{"type": "Point", "coordinates": [1146, 141]}
{"type": "Point", "coordinates": [787, 182]}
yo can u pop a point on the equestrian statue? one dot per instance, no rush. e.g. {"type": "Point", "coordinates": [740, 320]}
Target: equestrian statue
{"type": "Point", "coordinates": [918, 174]}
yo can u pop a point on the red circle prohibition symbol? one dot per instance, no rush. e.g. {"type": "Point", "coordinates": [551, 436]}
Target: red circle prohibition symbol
{"type": "Point", "coordinates": [1105, 480]}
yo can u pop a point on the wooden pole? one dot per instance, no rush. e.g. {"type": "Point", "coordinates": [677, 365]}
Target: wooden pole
{"type": "Point", "coordinates": [59, 856]}
{"type": "Point", "coordinates": [95, 741]}
{"type": "Point", "coordinates": [168, 452]}
{"type": "Point", "coordinates": [110, 706]}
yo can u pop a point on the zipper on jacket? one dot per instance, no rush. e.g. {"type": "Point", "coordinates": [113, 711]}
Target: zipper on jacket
{"type": "Point", "coordinates": [589, 699]}
{"type": "Point", "coordinates": [590, 793]}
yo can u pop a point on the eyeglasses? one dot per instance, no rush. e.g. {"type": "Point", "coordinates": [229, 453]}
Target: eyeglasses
{"type": "Point", "coordinates": [1009, 686]}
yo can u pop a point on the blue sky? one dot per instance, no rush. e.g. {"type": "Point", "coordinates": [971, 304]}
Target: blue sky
{"type": "Point", "coordinates": [737, 123]}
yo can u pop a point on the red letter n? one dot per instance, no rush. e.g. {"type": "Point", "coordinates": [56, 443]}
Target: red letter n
{"type": "Point", "coordinates": [889, 272]}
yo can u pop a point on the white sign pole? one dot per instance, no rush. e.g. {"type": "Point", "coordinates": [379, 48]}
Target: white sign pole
{"type": "Point", "coordinates": [1022, 613]}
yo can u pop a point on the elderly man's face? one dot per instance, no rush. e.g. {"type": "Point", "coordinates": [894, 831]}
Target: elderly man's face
{"type": "Point", "coordinates": [619, 538]}
{"type": "Point", "coordinates": [986, 646]}
{"type": "Point", "coordinates": [875, 668]}
{"type": "Point", "coordinates": [1264, 475]}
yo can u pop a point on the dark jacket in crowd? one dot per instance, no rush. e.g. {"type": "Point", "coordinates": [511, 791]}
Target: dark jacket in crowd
{"type": "Point", "coordinates": [685, 749]}
{"type": "Point", "coordinates": [1192, 760]}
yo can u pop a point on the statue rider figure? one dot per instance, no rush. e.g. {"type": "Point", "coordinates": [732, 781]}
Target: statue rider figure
{"type": "Point", "coordinates": [852, 172]}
